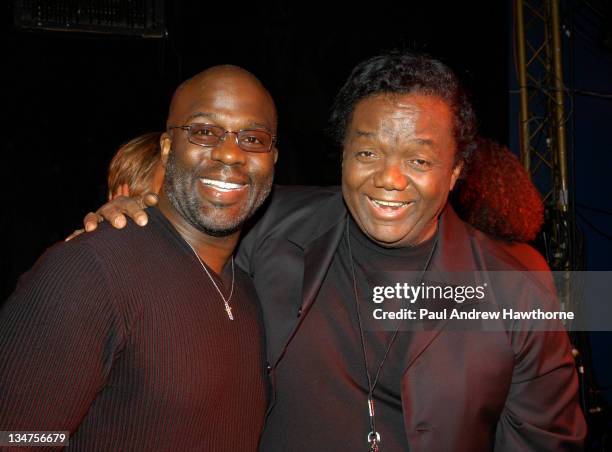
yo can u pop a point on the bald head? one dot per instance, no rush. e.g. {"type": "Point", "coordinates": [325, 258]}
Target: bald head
{"type": "Point", "coordinates": [217, 85]}
{"type": "Point", "coordinates": [215, 188]}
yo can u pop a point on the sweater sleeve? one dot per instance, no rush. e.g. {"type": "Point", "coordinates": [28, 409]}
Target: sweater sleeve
{"type": "Point", "coordinates": [59, 334]}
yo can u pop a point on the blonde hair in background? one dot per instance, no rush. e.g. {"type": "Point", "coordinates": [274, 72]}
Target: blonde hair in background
{"type": "Point", "coordinates": [134, 165]}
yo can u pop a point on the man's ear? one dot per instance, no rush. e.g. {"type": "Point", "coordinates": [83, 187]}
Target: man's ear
{"type": "Point", "coordinates": [456, 173]}
{"type": "Point", "coordinates": [275, 150]}
{"type": "Point", "coordinates": [165, 143]}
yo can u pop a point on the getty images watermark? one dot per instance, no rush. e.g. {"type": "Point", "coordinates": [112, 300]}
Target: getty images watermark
{"type": "Point", "coordinates": [493, 301]}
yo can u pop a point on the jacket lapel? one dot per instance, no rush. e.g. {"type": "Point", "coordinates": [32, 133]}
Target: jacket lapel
{"type": "Point", "coordinates": [452, 263]}
{"type": "Point", "coordinates": [317, 259]}
{"type": "Point", "coordinates": [317, 240]}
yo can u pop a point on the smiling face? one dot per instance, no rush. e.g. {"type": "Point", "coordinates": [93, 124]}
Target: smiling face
{"type": "Point", "coordinates": [399, 166]}
{"type": "Point", "coordinates": [217, 188]}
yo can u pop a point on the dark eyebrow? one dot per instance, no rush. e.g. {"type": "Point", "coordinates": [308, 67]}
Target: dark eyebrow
{"type": "Point", "coordinates": [259, 125]}
{"type": "Point", "coordinates": [420, 141]}
{"type": "Point", "coordinates": [423, 142]}
{"type": "Point", "coordinates": [212, 116]}
{"type": "Point", "coordinates": [363, 133]}
{"type": "Point", "coordinates": [200, 114]}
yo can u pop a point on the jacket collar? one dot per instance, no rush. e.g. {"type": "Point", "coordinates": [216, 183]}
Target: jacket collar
{"type": "Point", "coordinates": [330, 215]}
{"type": "Point", "coordinates": [454, 253]}
{"type": "Point", "coordinates": [454, 257]}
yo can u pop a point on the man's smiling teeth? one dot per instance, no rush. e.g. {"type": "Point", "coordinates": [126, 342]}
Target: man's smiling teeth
{"type": "Point", "coordinates": [222, 185]}
{"type": "Point", "coordinates": [393, 204]}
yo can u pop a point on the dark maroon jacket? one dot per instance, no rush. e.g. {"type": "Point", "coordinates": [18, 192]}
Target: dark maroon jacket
{"type": "Point", "coordinates": [461, 390]}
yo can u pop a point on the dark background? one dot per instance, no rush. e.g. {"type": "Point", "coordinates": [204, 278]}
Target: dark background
{"type": "Point", "coordinates": [71, 99]}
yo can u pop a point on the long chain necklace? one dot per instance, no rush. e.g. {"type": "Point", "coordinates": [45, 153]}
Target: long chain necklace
{"type": "Point", "coordinates": [228, 308]}
{"type": "Point", "coordinates": [374, 437]}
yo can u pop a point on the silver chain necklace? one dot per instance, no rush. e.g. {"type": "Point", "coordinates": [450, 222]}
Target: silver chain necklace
{"type": "Point", "coordinates": [228, 308]}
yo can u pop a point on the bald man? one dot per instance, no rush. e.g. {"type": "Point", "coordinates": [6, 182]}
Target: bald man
{"type": "Point", "coordinates": [160, 348]}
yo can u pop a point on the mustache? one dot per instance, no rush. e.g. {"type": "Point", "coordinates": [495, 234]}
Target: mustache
{"type": "Point", "coordinates": [212, 169]}
{"type": "Point", "coordinates": [221, 171]}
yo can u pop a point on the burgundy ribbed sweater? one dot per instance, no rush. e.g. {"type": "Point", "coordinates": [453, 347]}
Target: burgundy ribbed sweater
{"type": "Point", "coordinates": [120, 338]}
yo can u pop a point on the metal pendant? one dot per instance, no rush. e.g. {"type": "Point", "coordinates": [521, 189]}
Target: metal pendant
{"type": "Point", "coordinates": [228, 309]}
{"type": "Point", "coordinates": [374, 441]}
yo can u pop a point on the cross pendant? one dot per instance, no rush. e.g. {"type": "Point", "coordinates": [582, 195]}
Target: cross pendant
{"type": "Point", "coordinates": [228, 309]}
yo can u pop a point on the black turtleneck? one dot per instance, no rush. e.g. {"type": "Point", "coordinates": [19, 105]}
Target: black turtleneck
{"type": "Point", "coordinates": [322, 374]}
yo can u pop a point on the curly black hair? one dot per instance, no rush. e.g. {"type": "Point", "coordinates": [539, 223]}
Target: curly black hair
{"type": "Point", "coordinates": [406, 73]}
{"type": "Point", "coordinates": [497, 195]}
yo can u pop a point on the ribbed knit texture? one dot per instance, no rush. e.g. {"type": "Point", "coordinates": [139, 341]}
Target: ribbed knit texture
{"type": "Point", "coordinates": [120, 338]}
